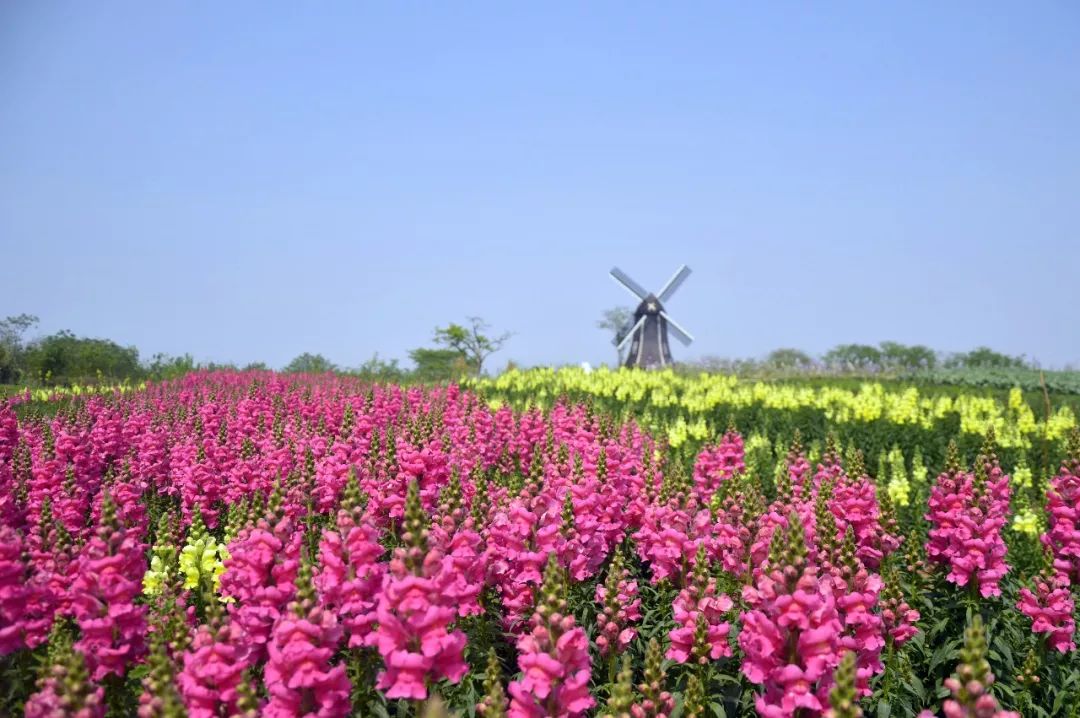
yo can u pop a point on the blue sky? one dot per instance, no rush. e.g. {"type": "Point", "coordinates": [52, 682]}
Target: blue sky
{"type": "Point", "coordinates": [248, 181]}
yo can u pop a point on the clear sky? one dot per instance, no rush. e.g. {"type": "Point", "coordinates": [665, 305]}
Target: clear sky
{"type": "Point", "coordinates": [249, 180]}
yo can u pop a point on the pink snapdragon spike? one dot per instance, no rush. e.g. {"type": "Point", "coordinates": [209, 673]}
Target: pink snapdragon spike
{"type": "Point", "coordinates": [112, 625]}
{"type": "Point", "coordinates": [791, 632]}
{"type": "Point", "coordinates": [27, 601]}
{"type": "Point", "coordinates": [843, 697]}
{"type": "Point", "coordinates": [12, 591]}
{"type": "Point", "coordinates": [620, 608]}
{"type": "Point", "coordinates": [493, 704]}
{"type": "Point", "coordinates": [299, 677]}
{"type": "Point", "coordinates": [260, 574]}
{"type": "Point", "coordinates": [553, 657]}
{"type": "Point", "coordinates": [654, 701]}
{"type": "Point", "coordinates": [516, 567]}
{"type": "Point", "coordinates": [971, 683]}
{"type": "Point", "coordinates": [798, 468]}
{"type": "Point", "coordinates": [856, 591]}
{"type": "Point", "coordinates": [455, 535]}
{"type": "Point", "coordinates": [967, 513]}
{"type": "Point", "coordinates": [666, 539]}
{"type": "Point", "coordinates": [854, 504]}
{"type": "Point", "coordinates": [701, 634]}
{"type": "Point", "coordinates": [716, 464]}
{"type": "Point", "coordinates": [213, 668]}
{"type": "Point", "coordinates": [1062, 536]}
{"type": "Point", "coordinates": [350, 573]}
{"type": "Point", "coordinates": [899, 618]}
{"type": "Point", "coordinates": [66, 691]}
{"type": "Point", "coordinates": [1049, 605]}
{"type": "Point", "coordinates": [415, 612]}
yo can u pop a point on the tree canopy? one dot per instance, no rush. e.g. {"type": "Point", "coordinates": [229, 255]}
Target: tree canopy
{"type": "Point", "coordinates": [308, 363]}
{"type": "Point", "coordinates": [471, 341]}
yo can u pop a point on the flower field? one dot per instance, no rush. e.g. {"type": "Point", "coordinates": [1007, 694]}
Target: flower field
{"type": "Point", "coordinates": [539, 544]}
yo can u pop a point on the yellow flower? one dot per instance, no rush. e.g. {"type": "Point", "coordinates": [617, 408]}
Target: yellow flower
{"type": "Point", "coordinates": [200, 560]}
{"type": "Point", "coordinates": [1022, 476]}
{"type": "Point", "coordinates": [155, 577]}
{"type": "Point", "coordinates": [1026, 521]}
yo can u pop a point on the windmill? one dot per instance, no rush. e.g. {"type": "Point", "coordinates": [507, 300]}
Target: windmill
{"type": "Point", "coordinates": [648, 333]}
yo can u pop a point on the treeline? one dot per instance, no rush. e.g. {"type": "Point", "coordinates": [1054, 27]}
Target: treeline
{"type": "Point", "coordinates": [885, 358]}
{"type": "Point", "coordinates": [65, 359]}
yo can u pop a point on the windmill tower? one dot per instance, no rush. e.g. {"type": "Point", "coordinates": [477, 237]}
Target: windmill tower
{"type": "Point", "coordinates": [648, 333]}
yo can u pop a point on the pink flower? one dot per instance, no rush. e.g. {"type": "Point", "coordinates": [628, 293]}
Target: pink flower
{"type": "Point", "coordinates": [259, 575]}
{"type": "Point", "coordinates": [699, 610]}
{"type": "Point", "coordinates": [1063, 509]}
{"type": "Point", "coordinates": [213, 668]}
{"type": "Point", "coordinates": [66, 692]}
{"type": "Point", "coordinates": [415, 612]}
{"type": "Point", "coordinates": [791, 635]}
{"type": "Point", "coordinates": [716, 464]}
{"type": "Point", "coordinates": [554, 658]}
{"type": "Point", "coordinates": [967, 514]}
{"type": "Point", "coordinates": [110, 568]}
{"type": "Point", "coordinates": [899, 618]}
{"type": "Point", "coordinates": [854, 504]}
{"type": "Point", "coordinates": [1050, 608]}
{"type": "Point", "coordinates": [298, 676]}
{"type": "Point", "coordinates": [970, 684]}
{"type": "Point", "coordinates": [27, 601]}
{"type": "Point", "coordinates": [350, 575]}
{"type": "Point", "coordinates": [618, 597]}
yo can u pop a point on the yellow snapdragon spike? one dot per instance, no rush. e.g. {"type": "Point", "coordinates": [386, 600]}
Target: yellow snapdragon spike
{"type": "Point", "coordinates": [1026, 521]}
{"type": "Point", "coordinates": [1023, 476]}
{"type": "Point", "coordinates": [899, 491]}
{"type": "Point", "coordinates": [199, 560]}
{"type": "Point", "coordinates": [155, 577]}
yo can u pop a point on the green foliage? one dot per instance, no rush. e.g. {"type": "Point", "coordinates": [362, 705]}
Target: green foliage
{"type": "Point", "coordinates": [438, 365]}
{"type": "Point", "coordinates": [164, 366]}
{"type": "Point", "coordinates": [308, 363]}
{"type": "Point", "coordinates": [64, 358]}
{"type": "Point", "coordinates": [376, 369]}
{"type": "Point", "coordinates": [471, 342]}
{"type": "Point", "coordinates": [1030, 380]}
{"type": "Point", "coordinates": [11, 346]}
{"type": "Point", "coordinates": [788, 359]}
{"type": "Point", "coordinates": [853, 357]}
{"type": "Point", "coordinates": [984, 358]}
{"type": "Point", "coordinates": [617, 321]}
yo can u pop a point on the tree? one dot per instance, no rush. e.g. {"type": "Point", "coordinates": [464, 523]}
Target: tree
{"type": "Point", "coordinates": [439, 365]}
{"type": "Point", "coordinates": [920, 356]}
{"type": "Point", "coordinates": [12, 349]}
{"type": "Point", "coordinates": [308, 363]}
{"type": "Point", "coordinates": [898, 356]}
{"type": "Point", "coordinates": [617, 321]}
{"type": "Point", "coordinates": [163, 366]}
{"type": "Point", "coordinates": [985, 358]}
{"type": "Point", "coordinates": [64, 357]}
{"type": "Point", "coordinates": [376, 369]}
{"type": "Point", "coordinates": [788, 359]}
{"type": "Point", "coordinates": [471, 342]}
{"type": "Point", "coordinates": [861, 357]}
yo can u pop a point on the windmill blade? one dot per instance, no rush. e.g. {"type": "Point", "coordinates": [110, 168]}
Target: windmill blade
{"type": "Point", "coordinates": [681, 334]}
{"type": "Point", "coordinates": [673, 283]}
{"type": "Point", "coordinates": [630, 334]}
{"type": "Point", "coordinates": [624, 279]}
